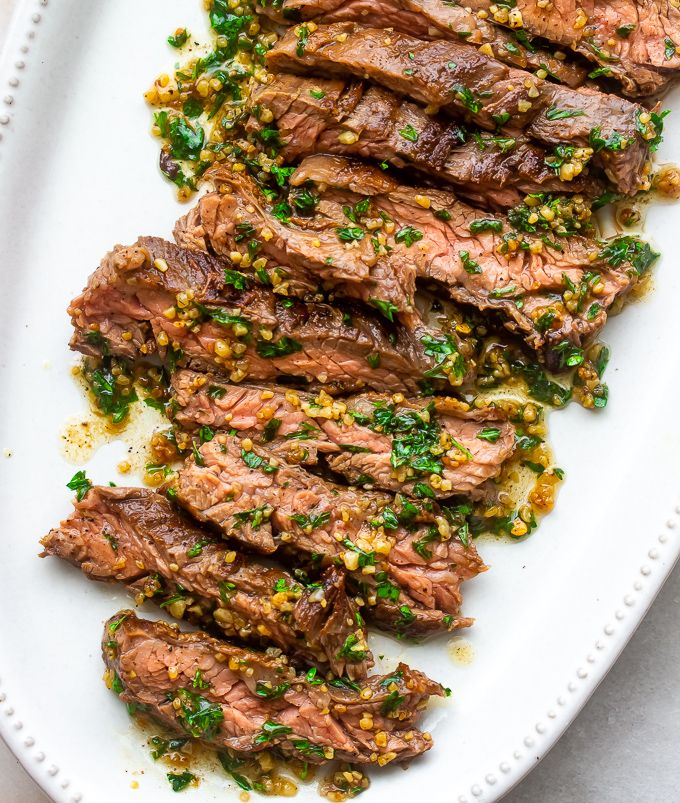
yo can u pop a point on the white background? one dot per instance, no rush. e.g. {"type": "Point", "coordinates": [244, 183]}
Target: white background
{"type": "Point", "coordinates": [623, 746]}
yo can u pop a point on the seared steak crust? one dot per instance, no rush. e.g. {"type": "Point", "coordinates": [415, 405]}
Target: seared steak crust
{"type": "Point", "coordinates": [137, 537]}
{"type": "Point", "coordinates": [244, 695]}
{"type": "Point", "coordinates": [312, 115]}
{"type": "Point", "coordinates": [461, 81]}
{"type": "Point", "coordinates": [432, 19]}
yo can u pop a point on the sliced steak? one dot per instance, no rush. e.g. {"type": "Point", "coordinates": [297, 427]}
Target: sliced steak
{"type": "Point", "coordinates": [326, 252]}
{"type": "Point", "coordinates": [371, 439]}
{"type": "Point", "coordinates": [302, 253]}
{"type": "Point", "coordinates": [633, 41]}
{"type": "Point", "coordinates": [247, 701]}
{"type": "Point", "coordinates": [156, 299]}
{"type": "Point", "coordinates": [137, 537]}
{"type": "Point", "coordinates": [433, 19]}
{"type": "Point", "coordinates": [404, 560]}
{"type": "Point", "coordinates": [320, 116]}
{"type": "Point", "coordinates": [491, 263]}
{"type": "Point", "coordinates": [461, 81]}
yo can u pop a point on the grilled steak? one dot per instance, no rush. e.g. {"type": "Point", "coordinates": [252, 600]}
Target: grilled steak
{"type": "Point", "coordinates": [322, 252]}
{"type": "Point", "coordinates": [247, 701]}
{"type": "Point", "coordinates": [633, 41]}
{"type": "Point", "coordinates": [370, 439]}
{"type": "Point", "coordinates": [310, 251]}
{"type": "Point", "coordinates": [156, 298]}
{"type": "Point", "coordinates": [471, 255]}
{"type": "Point", "coordinates": [318, 116]}
{"type": "Point", "coordinates": [407, 563]}
{"type": "Point", "coordinates": [432, 19]}
{"type": "Point", "coordinates": [461, 81]}
{"type": "Point", "coordinates": [136, 536]}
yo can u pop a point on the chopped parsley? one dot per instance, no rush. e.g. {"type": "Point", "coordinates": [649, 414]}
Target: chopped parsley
{"type": "Point", "coordinates": [486, 224]}
{"type": "Point", "coordinates": [206, 434]}
{"type": "Point", "coordinates": [314, 522]}
{"type": "Point", "coordinates": [624, 31]}
{"type": "Point", "coordinates": [669, 48]}
{"type": "Point", "coordinates": [302, 38]}
{"type": "Point", "coordinates": [163, 746]}
{"type": "Point", "coordinates": [467, 98]}
{"type": "Point", "coordinates": [638, 254]}
{"type": "Point", "coordinates": [614, 142]}
{"type": "Point", "coordinates": [112, 398]}
{"type": "Point", "coordinates": [271, 429]}
{"type": "Point", "coordinates": [540, 387]}
{"type": "Point", "coordinates": [445, 351]}
{"type": "Point", "coordinates": [269, 692]}
{"type": "Point", "coordinates": [304, 432]}
{"type": "Point", "coordinates": [186, 141]}
{"type": "Point", "coordinates": [230, 764]}
{"type": "Point", "coordinates": [657, 119]}
{"type": "Point", "coordinates": [179, 38]}
{"type": "Point", "coordinates": [198, 716]}
{"type": "Point", "coordinates": [553, 113]}
{"type": "Point", "coordinates": [502, 292]}
{"type": "Point", "coordinates": [197, 549]}
{"type": "Point", "coordinates": [490, 434]}
{"type": "Point", "coordinates": [274, 349]}
{"type": "Point", "coordinates": [179, 781]}
{"type": "Point", "coordinates": [271, 730]}
{"type": "Point", "coordinates": [255, 516]}
{"type": "Point", "coordinates": [235, 278]}
{"type": "Point", "coordinates": [408, 235]}
{"type": "Point", "coordinates": [469, 264]}
{"type": "Point", "coordinates": [350, 233]}
{"type": "Point", "coordinates": [254, 461]}
{"type": "Point", "coordinates": [349, 650]}
{"type": "Point", "coordinates": [306, 747]}
{"type": "Point", "coordinates": [392, 702]}
{"type": "Point", "coordinates": [409, 133]}
{"type": "Point", "coordinates": [80, 484]}
{"type": "Point", "coordinates": [387, 308]}
{"type": "Point", "coordinates": [386, 589]}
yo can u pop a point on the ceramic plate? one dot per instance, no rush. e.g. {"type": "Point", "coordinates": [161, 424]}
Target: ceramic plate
{"type": "Point", "coordinates": [78, 175]}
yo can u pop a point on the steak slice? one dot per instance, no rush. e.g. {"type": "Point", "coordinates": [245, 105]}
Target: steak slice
{"type": "Point", "coordinates": [309, 251]}
{"type": "Point", "coordinates": [155, 299]}
{"type": "Point", "coordinates": [308, 254]}
{"type": "Point", "coordinates": [248, 701]}
{"type": "Point", "coordinates": [315, 116]}
{"type": "Point", "coordinates": [407, 563]}
{"type": "Point", "coordinates": [137, 537]}
{"type": "Point", "coordinates": [632, 41]}
{"type": "Point", "coordinates": [371, 439]}
{"type": "Point", "coordinates": [489, 262]}
{"type": "Point", "coordinates": [433, 19]}
{"type": "Point", "coordinates": [461, 81]}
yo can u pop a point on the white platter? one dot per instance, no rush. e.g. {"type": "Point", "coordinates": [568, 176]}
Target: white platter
{"type": "Point", "coordinates": [78, 175]}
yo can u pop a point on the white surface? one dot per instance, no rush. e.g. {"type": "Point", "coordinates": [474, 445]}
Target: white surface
{"type": "Point", "coordinates": [541, 609]}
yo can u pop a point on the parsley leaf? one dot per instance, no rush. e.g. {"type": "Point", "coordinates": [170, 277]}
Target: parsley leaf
{"type": "Point", "coordinates": [80, 484]}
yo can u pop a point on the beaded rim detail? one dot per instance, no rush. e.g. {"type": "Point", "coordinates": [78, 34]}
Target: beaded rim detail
{"type": "Point", "coordinates": [544, 733]}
